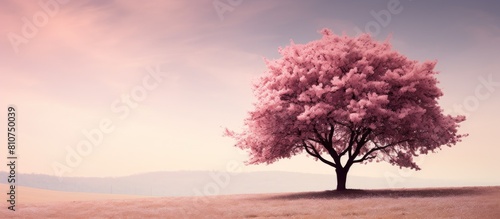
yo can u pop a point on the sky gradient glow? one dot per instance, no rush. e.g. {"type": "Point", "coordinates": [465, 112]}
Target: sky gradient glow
{"type": "Point", "coordinates": [90, 54]}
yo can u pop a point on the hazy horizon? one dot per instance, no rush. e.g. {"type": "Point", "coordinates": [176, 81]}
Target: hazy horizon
{"type": "Point", "coordinates": [209, 183]}
{"type": "Point", "coordinates": [164, 78]}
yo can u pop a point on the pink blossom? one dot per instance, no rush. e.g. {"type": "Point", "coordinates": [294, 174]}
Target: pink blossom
{"type": "Point", "coordinates": [355, 117]}
{"type": "Point", "coordinates": [342, 96]}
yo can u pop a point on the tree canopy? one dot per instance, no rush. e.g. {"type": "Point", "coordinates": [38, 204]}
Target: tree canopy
{"type": "Point", "coordinates": [346, 96]}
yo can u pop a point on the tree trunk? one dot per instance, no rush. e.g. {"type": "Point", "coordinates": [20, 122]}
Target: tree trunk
{"type": "Point", "coordinates": [341, 178]}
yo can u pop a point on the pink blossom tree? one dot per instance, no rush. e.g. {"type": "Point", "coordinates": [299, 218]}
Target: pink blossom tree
{"type": "Point", "coordinates": [343, 101]}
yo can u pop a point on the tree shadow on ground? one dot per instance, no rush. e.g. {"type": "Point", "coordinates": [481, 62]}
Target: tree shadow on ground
{"type": "Point", "coordinates": [382, 193]}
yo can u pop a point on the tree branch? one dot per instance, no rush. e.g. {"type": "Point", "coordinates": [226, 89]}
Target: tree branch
{"type": "Point", "coordinates": [363, 159]}
{"type": "Point", "coordinates": [328, 146]}
{"type": "Point", "coordinates": [316, 154]}
{"type": "Point", "coordinates": [318, 135]}
{"type": "Point", "coordinates": [344, 69]}
{"type": "Point", "coordinates": [377, 148]}
{"type": "Point", "coordinates": [349, 147]}
{"type": "Point", "coordinates": [330, 135]}
{"type": "Point", "coordinates": [360, 143]}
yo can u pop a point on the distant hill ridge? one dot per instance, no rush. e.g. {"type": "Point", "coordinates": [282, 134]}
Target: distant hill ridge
{"type": "Point", "coordinates": [196, 183]}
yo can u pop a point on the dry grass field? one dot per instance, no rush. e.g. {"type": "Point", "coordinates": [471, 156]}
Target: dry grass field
{"type": "Point", "coordinates": [467, 202]}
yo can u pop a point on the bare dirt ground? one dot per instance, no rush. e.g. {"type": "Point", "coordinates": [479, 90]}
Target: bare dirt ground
{"type": "Point", "coordinates": [467, 202]}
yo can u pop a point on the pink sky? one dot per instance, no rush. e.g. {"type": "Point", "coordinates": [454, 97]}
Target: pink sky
{"type": "Point", "coordinates": [89, 54]}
